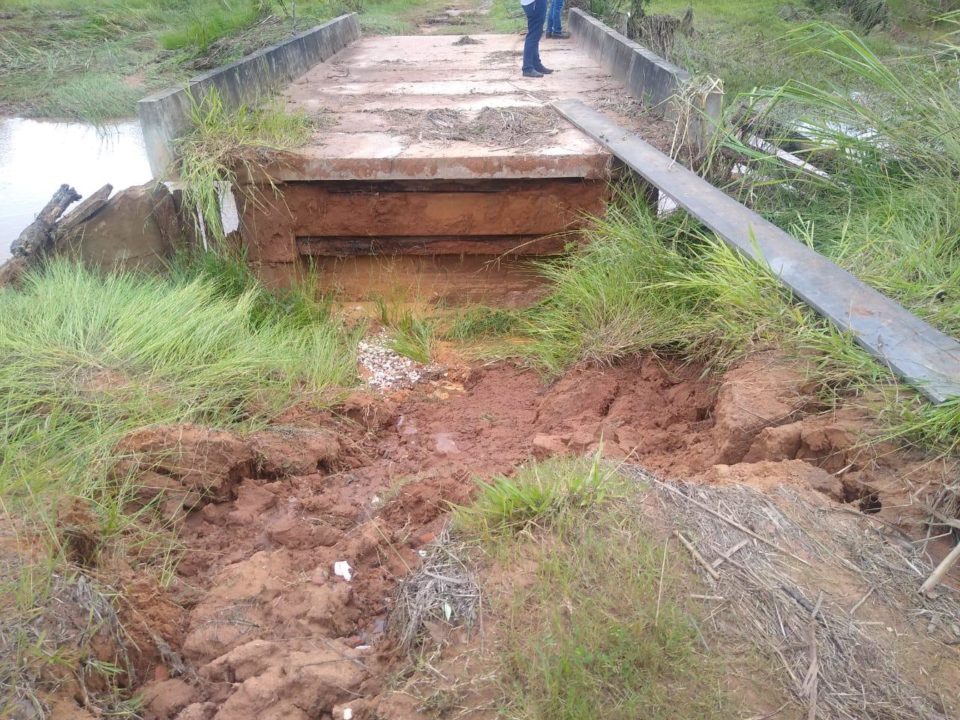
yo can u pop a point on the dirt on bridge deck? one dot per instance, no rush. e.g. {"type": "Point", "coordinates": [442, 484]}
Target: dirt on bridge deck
{"type": "Point", "coordinates": [392, 103]}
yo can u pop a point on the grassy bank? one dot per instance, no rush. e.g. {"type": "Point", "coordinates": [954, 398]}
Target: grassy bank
{"type": "Point", "coordinates": [761, 43]}
{"type": "Point", "coordinates": [92, 61]}
{"type": "Point", "coordinates": [603, 622]}
{"type": "Point", "coordinates": [887, 210]}
{"type": "Point", "coordinates": [88, 359]}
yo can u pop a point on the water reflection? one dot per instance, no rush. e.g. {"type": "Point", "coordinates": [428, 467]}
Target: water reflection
{"type": "Point", "coordinates": [36, 157]}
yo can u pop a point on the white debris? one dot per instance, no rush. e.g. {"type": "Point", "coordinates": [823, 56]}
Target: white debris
{"type": "Point", "coordinates": [341, 568]}
{"type": "Point", "coordinates": [347, 714]}
{"type": "Point", "coordinates": [386, 369]}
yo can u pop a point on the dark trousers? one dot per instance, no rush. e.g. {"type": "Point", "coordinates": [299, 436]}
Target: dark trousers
{"type": "Point", "coordinates": [554, 16]}
{"type": "Point", "coordinates": [536, 16]}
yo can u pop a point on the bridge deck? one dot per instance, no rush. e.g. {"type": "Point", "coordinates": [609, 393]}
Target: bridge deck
{"type": "Point", "coordinates": [441, 107]}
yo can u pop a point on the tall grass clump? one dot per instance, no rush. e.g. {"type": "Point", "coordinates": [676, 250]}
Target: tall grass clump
{"type": "Point", "coordinates": [480, 322]}
{"type": "Point", "coordinates": [211, 153]}
{"type": "Point", "coordinates": [89, 358]}
{"type": "Point", "coordinates": [647, 284]}
{"type": "Point", "coordinates": [888, 209]}
{"type": "Point", "coordinates": [537, 495]}
{"type": "Point", "coordinates": [205, 22]}
{"type": "Point", "coordinates": [600, 619]}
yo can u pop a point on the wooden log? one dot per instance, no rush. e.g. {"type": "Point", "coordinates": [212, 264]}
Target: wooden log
{"type": "Point", "coordinates": [338, 246]}
{"type": "Point", "coordinates": [84, 211]}
{"type": "Point", "coordinates": [948, 562]}
{"type": "Point", "coordinates": [38, 236]}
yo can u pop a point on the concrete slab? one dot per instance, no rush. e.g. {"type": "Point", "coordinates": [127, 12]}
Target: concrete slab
{"type": "Point", "coordinates": [425, 107]}
{"type": "Point", "coordinates": [922, 355]}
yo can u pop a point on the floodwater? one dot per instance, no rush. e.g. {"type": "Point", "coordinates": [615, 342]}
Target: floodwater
{"type": "Point", "coordinates": [36, 157]}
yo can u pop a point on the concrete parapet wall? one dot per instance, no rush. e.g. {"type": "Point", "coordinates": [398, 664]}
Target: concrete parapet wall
{"type": "Point", "coordinates": [165, 115]}
{"type": "Point", "coordinates": [647, 76]}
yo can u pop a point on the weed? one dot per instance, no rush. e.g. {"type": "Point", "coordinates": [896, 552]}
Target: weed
{"type": "Point", "coordinates": [602, 623]}
{"type": "Point", "coordinates": [481, 322]}
{"type": "Point", "coordinates": [207, 22]}
{"type": "Point", "coordinates": [538, 494]}
{"type": "Point", "coordinates": [210, 153]}
{"type": "Point", "coordinates": [412, 337]}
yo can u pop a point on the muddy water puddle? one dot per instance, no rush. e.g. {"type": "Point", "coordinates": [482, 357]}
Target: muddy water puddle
{"type": "Point", "coordinates": [36, 157]}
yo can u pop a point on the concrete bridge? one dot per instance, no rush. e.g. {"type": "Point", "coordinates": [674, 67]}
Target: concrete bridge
{"type": "Point", "coordinates": [432, 155]}
{"type": "Point", "coordinates": [438, 170]}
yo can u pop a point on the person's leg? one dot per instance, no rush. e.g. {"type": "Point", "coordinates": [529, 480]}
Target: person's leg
{"type": "Point", "coordinates": [536, 15]}
{"type": "Point", "coordinates": [539, 66]}
{"type": "Point", "coordinates": [530, 54]}
{"type": "Point", "coordinates": [554, 17]}
{"type": "Point", "coordinates": [540, 9]}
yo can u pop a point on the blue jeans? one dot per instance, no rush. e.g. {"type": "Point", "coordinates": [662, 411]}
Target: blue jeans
{"type": "Point", "coordinates": [536, 15]}
{"type": "Point", "coordinates": [553, 16]}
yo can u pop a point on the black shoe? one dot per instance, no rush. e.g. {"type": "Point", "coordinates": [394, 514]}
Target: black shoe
{"type": "Point", "coordinates": [544, 71]}
{"type": "Point", "coordinates": [562, 35]}
{"type": "Point", "coordinates": [532, 73]}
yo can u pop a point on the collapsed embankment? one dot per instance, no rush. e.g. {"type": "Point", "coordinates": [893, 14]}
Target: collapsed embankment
{"type": "Point", "coordinates": [258, 624]}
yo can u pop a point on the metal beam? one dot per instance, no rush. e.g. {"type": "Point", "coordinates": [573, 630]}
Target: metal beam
{"type": "Point", "coordinates": [919, 353]}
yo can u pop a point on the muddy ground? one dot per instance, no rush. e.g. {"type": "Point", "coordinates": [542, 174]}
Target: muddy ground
{"type": "Point", "coordinates": [257, 623]}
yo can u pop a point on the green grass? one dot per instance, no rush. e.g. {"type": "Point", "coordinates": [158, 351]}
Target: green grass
{"type": "Point", "coordinates": [89, 358]}
{"type": "Point", "coordinates": [412, 337]}
{"type": "Point", "coordinates": [211, 153]}
{"type": "Point", "coordinates": [396, 17]}
{"type": "Point", "coordinates": [536, 495]}
{"type": "Point", "coordinates": [888, 213]}
{"type": "Point", "coordinates": [93, 97]}
{"type": "Point", "coordinates": [204, 24]}
{"type": "Point", "coordinates": [642, 284]}
{"type": "Point", "coordinates": [91, 60]}
{"type": "Point", "coordinates": [506, 16]}
{"type": "Point", "coordinates": [480, 322]}
{"type": "Point", "coordinates": [603, 627]}
{"type": "Point", "coordinates": [746, 43]}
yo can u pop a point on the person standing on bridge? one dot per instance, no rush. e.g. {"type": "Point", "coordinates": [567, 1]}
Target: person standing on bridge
{"type": "Point", "coordinates": [536, 12]}
{"type": "Point", "coordinates": [555, 29]}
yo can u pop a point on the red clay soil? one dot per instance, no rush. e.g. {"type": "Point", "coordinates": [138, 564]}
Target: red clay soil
{"type": "Point", "coordinates": [258, 625]}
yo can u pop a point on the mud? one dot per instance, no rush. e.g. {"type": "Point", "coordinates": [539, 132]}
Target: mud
{"type": "Point", "coordinates": [258, 625]}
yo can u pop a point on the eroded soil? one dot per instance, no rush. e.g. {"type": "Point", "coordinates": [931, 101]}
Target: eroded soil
{"type": "Point", "coordinates": [258, 625]}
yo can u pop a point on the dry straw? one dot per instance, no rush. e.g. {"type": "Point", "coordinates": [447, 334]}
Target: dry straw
{"type": "Point", "coordinates": [442, 589]}
{"type": "Point", "coordinates": [838, 664]}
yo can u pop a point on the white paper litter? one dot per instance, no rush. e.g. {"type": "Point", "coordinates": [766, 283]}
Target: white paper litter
{"type": "Point", "coordinates": [347, 714]}
{"type": "Point", "coordinates": [341, 568]}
